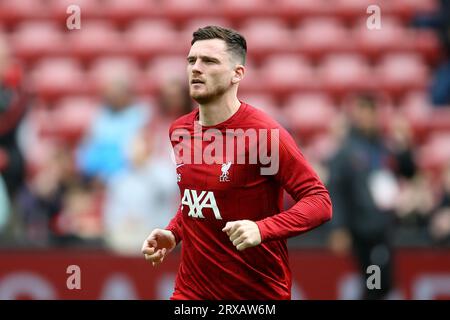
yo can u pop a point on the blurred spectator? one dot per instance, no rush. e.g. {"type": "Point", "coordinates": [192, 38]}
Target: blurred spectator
{"type": "Point", "coordinates": [80, 220]}
{"type": "Point", "coordinates": [415, 202]}
{"type": "Point", "coordinates": [415, 199]}
{"type": "Point", "coordinates": [440, 86]}
{"type": "Point", "coordinates": [440, 225]}
{"type": "Point", "coordinates": [41, 199]}
{"type": "Point", "coordinates": [102, 153]}
{"type": "Point", "coordinates": [144, 195]}
{"type": "Point", "coordinates": [12, 110]}
{"type": "Point", "coordinates": [440, 220]}
{"type": "Point", "coordinates": [4, 205]}
{"type": "Point", "coordinates": [363, 189]}
{"type": "Point", "coordinates": [401, 143]}
{"type": "Point", "coordinates": [140, 198]}
{"type": "Point", "coordinates": [51, 205]}
{"type": "Point", "coordinates": [173, 101]}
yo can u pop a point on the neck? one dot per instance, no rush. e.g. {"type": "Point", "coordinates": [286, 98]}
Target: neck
{"type": "Point", "coordinates": [218, 111]}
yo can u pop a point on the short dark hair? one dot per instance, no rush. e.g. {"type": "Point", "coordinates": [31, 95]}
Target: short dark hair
{"type": "Point", "coordinates": [367, 100]}
{"type": "Point", "coordinates": [235, 42]}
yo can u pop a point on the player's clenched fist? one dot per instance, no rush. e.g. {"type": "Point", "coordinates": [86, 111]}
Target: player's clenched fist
{"type": "Point", "coordinates": [157, 245]}
{"type": "Point", "coordinates": [243, 233]}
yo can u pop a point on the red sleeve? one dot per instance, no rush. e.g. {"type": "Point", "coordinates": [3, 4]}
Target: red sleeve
{"type": "Point", "coordinates": [313, 203]}
{"type": "Point", "coordinates": [175, 225]}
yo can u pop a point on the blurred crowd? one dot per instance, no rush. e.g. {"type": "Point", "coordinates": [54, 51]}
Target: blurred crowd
{"type": "Point", "coordinates": [110, 179]}
{"type": "Point", "coordinates": [109, 189]}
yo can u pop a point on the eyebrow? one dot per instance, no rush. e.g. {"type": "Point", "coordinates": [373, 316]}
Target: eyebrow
{"type": "Point", "coordinates": [204, 58]}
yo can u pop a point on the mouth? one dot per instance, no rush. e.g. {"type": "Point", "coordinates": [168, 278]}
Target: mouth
{"type": "Point", "coordinates": [197, 81]}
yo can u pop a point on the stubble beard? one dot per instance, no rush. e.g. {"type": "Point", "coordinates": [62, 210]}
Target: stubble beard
{"type": "Point", "coordinates": [205, 98]}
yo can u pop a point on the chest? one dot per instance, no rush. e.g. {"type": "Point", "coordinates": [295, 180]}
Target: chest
{"type": "Point", "coordinates": [218, 177]}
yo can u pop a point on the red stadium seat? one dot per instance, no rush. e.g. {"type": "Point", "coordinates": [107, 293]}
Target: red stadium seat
{"type": "Point", "coordinates": [169, 66]}
{"type": "Point", "coordinates": [407, 8]}
{"type": "Point", "coordinates": [293, 10]}
{"type": "Point", "coordinates": [162, 69]}
{"type": "Point", "coordinates": [435, 153]}
{"type": "Point", "coordinates": [106, 68]}
{"type": "Point", "coordinates": [426, 42]}
{"type": "Point", "coordinates": [416, 108]}
{"type": "Point", "coordinates": [260, 100]}
{"type": "Point", "coordinates": [341, 73]}
{"type": "Point", "coordinates": [416, 105]}
{"type": "Point", "coordinates": [354, 9]}
{"type": "Point", "coordinates": [321, 147]}
{"type": "Point", "coordinates": [316, 36]}
{"type": "Point", "coordinates": [13, 12]}
{"type": "Point", "coordinates": [123, 12]}
{"type": "Point", "coordinates": [148, 38]}
{"type": "Point", "coordinates": [193, 24]}
{"type": "Point", "coordinates": [52, 78]}
{"type": "Point", "coordinates": [309, 114]}
{"type": "Point", "coordinates": [264, 102]}
{"type": "Point", "coordinates": [395, 36]}
{"type": "Point", "coordinates": [94, 39]}
{"type": "Point", "coordinates": [283, 74]}
{"type": "Point", "coordinates": [252, 81]}
{"type": "Point", "coordinates": [38, 151]}
{"type": "Point", "coordinates": [32, 40]}
{"type": "Point", "coordinates": [392, 36]}
{"type": "Point", "coordinates": [180, 11]}
{"type": "Point", "coordinates": [47, 128]}
{"type": "Point", "coordinates": [70, 119]}
{"type": "Point", "coordinates": [149, 100]}
{"type": "Point", "coordinates": [439, 120]}
{"type": "Point", "coordinates": [398, 73]}
{"type": "Point", "coordinates": [89, 9]}
{"type": "Point", "coordinates": [266, 36]}
{"type": "Point", "coordinates": [236, 10]}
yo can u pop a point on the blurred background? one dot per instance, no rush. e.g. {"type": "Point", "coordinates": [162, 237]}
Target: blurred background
{"type": "Point", "coordinates": [85, 169]}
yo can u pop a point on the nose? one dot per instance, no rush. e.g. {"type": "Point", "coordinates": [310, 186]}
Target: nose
{"type": "Point", "coordinates": [196, 67]}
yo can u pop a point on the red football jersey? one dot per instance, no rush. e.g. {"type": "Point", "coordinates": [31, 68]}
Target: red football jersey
{"type": "Point", "coordinates": [213, 194]}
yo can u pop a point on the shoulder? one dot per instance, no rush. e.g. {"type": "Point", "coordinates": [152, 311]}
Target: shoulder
{"type": "Point", "coordinates": [257, 118]}
{"type": "Point", "coordinates": [185, 121]}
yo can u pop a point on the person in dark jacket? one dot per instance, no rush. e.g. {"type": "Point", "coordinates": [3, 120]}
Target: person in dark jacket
{"type": "Point", "coordinates": [440, 22]}
{"type": "Point", "coordinates": [12, 111]}
{"type": "Point", "coordinates": [362, 189]}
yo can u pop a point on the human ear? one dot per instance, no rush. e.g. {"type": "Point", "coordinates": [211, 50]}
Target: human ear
{"type": "Point", "coordinates": [238, 75]}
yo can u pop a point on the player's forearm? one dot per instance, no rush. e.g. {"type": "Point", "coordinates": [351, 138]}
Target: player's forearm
{"type": "Point", "coordinates": [298, 178]}
{"type": "Point", "coordinates": [175, 226]}
{"type": "Point", "coordinates": [308, 213]}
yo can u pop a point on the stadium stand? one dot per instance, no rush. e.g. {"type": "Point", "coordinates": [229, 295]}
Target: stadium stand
{"type": "Point", "coordinates": [304, 58]}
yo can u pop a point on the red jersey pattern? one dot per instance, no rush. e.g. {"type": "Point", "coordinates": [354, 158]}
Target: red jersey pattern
{"type": "Point", "coordinates": [211, 195]}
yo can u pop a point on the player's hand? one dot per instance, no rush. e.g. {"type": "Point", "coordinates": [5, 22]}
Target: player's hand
{"type": "Point", "coordinates": [157, 245]}
{"type": "Point", "coordinates": [243, 233]}
{"type": "Point", "coordinates": [340, 241]}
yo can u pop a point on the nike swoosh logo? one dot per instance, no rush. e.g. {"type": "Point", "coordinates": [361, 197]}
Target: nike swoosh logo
{"type": "Point", "coordinates": [179, 165]}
